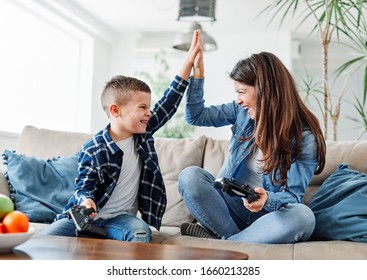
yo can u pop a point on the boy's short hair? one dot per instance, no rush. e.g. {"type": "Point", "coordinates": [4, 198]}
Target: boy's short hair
{"type": "Point", "coordinates": [119, 90]}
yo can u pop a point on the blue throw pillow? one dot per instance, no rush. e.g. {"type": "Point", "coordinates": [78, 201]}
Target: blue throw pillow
{"type": "Point", "coordinates": [40, 188]}
{"type": "Point", "coordinates": [340, 206]}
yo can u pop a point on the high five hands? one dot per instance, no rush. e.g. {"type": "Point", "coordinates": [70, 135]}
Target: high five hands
{"type": "Point", "coordinates": [199, 58]}
{"type": "Point", "coordinates": [194, 59]}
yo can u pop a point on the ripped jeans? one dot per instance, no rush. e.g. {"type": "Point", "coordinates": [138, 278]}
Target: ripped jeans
{"type": "Point", "coordinates": [124, 227]}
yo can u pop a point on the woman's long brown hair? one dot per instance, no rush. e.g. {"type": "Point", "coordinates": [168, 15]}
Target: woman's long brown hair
{"type": "Point", "coordinates": [280, 114]}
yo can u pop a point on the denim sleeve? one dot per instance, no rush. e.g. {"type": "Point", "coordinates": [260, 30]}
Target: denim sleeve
{"type": "Point", "coordinates": [197, 114]}
{"type": "Point", "coordinates": [299, 176]}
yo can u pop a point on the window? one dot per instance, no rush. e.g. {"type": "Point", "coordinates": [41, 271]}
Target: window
{"type": "Point", "coordinates": [43, 82]}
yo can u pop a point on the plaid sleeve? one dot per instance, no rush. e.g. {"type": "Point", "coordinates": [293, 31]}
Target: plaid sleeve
{"type": "Point", "coordinates": [167, 106]}
{"type": "Point", "coordinates": [87, 178]}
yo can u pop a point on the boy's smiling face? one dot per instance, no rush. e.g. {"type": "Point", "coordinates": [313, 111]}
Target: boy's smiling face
{"type": "Point", "coordinates": [132, 117]}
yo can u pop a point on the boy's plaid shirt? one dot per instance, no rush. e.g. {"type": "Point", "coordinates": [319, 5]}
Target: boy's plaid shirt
{"type": "Point", "coordinates": [100, 162]}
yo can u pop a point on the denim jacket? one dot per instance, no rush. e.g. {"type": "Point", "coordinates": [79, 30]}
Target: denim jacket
{"type": "Point", "coordinates": [301, 170]}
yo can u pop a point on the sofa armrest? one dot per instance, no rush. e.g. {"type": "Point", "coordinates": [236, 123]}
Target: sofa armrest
{"type": "Point", "coordinates": [4, 187]}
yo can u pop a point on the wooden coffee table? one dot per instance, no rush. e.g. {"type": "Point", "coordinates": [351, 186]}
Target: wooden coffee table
{"type": "Point", "coordinates": [41, 247]}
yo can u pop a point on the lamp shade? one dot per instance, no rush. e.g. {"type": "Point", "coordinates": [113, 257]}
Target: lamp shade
{"type": "Point", "coordinates": [197, 10]}
{"type": "Point", "coordinates": [183, 41]}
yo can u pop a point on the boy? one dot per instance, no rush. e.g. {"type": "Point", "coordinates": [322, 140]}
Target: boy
{"type": "Point", "coordinates": [119, 172]}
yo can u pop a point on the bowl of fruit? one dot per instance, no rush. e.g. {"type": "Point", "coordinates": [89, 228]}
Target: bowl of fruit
{"type": "Point", "coordinates": [14, 225]}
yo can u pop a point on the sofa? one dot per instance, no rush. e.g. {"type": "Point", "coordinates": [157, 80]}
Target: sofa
{"type": "Point", "coordinates": [176, 154]}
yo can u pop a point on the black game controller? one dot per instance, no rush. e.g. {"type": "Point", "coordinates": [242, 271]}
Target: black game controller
{"type": "Point", "coordinates": [83, 222]}
{"type": "Point", "coordinates": [231, 187]}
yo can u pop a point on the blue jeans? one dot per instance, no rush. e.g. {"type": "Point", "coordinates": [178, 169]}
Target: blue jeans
{"type": "Point", "coordinates": [123, 227]}
{"type": "Point", "coordinates": [226, 216]}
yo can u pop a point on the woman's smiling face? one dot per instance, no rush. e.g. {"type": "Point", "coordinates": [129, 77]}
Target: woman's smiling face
{"type": "Point", "coordinates": [246, 97]}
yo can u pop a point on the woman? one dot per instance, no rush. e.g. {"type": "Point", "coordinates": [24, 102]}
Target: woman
{"type": "Point", "coordinates": [276, 147]}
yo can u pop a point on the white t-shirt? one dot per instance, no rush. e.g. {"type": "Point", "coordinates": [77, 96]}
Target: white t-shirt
{"type": "Point", "coordinates": [250, 169]}
{"type": "Point", "coordinates": [124, 196]}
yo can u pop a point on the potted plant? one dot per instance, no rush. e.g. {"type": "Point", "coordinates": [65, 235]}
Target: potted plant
{"type": "Point", "coordinates": [359, 48]}
{"type": "Point", "coordinates": [332, 18]}
{"type": "Point", "coordinates": [177, 126]}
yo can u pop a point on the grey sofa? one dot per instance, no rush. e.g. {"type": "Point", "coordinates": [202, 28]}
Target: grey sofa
{"type": "Point", "coordinates": [176, 154]}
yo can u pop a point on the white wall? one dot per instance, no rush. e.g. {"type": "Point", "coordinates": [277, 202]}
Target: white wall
{"type": "Point", "coordinates": [101, 74]}
{"type": "Point", "coordinates": [9, 142]}
{"type": "Point", "coordinates": [128, 53]}
{"type": "Point", "coordinates": [135, 53]}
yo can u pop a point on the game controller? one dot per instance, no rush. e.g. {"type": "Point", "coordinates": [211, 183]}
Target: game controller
{"type": "Point", "coordinates": [231, 187]}
{"type": "Point", "coordinates": [83, 222]}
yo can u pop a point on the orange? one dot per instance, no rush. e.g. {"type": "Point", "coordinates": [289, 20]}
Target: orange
{"type": "Point", "coordinates": [1, 227]}
{"type": "Point", "coordinates": [15, 221]}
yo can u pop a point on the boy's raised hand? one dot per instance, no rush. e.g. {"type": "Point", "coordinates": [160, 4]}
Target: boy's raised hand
{"type": "Point", "coordinates": [195, 48]}
{"type": "Point", "coordinates": [199, 60]}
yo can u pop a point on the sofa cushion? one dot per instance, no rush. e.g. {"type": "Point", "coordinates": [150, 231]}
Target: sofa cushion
{"type": "Point", "coordinates": [339, 206]}
{"type": "Point", "coordinates": [255, 251]}
{"type": "Point", "coordinates": [174, 155]}
{"type": "Point", "coordinates": [46, 143]}
{"type": "Point", "coordinates": [40, 188]}
{"type": "Point", "coordinates": [214, 155]}
{"type": "Point", "coordinates": [342, 151]}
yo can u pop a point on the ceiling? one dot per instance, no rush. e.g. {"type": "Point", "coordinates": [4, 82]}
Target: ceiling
{"type": "Point", "coordinates": [161, 16]}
